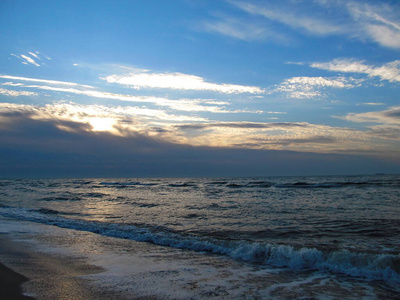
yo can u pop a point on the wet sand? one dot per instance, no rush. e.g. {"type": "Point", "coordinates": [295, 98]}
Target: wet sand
{"type": "Point", "coordinates": [25, 273]}
{"type": "Point", "coordinates": [69, 264]}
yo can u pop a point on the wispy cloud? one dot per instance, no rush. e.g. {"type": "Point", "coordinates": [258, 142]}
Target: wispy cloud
{"type": "Point", "coordinates": [187, 105]}
{"type": "Point", "coordinates": [242, 29]}
{"type": "Point", "coordinates": [298, 136]}
{"type": "Point", "coordinates": [243, 125]}
{"type": "Point", "coordinates": [388, 123]}
{"type": "Point", "coordinates": [177, 81]}
{"type": "Point", "coordinates": [53, 82]}
{"type": "Point", "coordinates": [13, 93]}
{"type": "Point", "coordinates": [235, 28]}
{"type": "Point", "coordinates": [374, 103]}
{"type": "Point", "coordinates": [311, 87]}
{"type": "Point", "coordinates": [389, 71]}
{"type": "Point", "coordinates": [12, 84]}
{"type": "Point", "coordinates": [390, 116]}
{"type": "Point", "coordinates": [34, 55]}
{"type": "Point", "coordinates": [290, 17]}
{"type": "Point", "coordinates": [379, 22]}
{"type": "Point", "coordinates": [31, 58]}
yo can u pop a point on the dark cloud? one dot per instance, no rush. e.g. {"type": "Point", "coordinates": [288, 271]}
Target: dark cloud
{"type": "Point", "coordinates": [243, 125]}
{"type": "Point", "coordinates": [386, 132]}
{"type": "Point", "coordinates": [311, 140]}
{"type": "Point", "coordinates": [33, 148]}
{"type": "Point", "coordinates": [287, 142]}
{"type": "Point", "coordinates": [395, 113]}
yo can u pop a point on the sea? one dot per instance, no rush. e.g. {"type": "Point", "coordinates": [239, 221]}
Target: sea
{"type": "Point", "coordinates": [325, 237]}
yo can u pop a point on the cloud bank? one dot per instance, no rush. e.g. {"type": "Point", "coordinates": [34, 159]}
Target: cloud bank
{"type": "Point", "coordinates": [129, 121]}
{"type": "Point", "coordinates": [34, 147]}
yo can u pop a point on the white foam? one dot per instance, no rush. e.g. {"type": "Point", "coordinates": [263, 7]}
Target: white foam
{"type": "Point", "coordinates": [365, 265]}
{"type": "Point", "coordinates": [143, 269]}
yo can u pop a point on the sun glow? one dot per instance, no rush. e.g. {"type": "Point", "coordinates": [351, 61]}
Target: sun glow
{"type": "Point", "coordinates": [103, 124]}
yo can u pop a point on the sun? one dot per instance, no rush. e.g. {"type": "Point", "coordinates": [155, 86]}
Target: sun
{"type": "Point", "coordinates": [102, 124]}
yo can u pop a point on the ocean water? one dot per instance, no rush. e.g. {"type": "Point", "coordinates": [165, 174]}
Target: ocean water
{"type": "Point", "coordinates": [333, 237]}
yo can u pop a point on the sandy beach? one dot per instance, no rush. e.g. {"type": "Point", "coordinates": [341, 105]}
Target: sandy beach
{"type": "Point", "coordinates": [31, 268]}
{"type": "Point", "coordinates": [69, 264]}
{"type": "Point", "coordinates": [50, 262]}
{"type": "Point", "coordinates": [42, 275]}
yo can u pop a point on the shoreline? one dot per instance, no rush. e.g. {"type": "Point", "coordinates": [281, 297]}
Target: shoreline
{"type": "Point", "coordinates": [70, 264]}
{"type": "Point", "coordinates": [27, 273]}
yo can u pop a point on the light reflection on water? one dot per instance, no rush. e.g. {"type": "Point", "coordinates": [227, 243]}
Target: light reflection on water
{"type": "Point", "coordinates": [327, 211]}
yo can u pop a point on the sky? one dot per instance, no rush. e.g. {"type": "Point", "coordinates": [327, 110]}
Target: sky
{"type": "Point", "coordinates": [139, 88]}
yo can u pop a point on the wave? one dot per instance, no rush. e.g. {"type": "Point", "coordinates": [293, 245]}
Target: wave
{"type": "Point", "coordinates": [369, 266]}
{"type": "Point", "coordinates": [126, 184]}
{"type": "Point", "coordinates": [306, 184]}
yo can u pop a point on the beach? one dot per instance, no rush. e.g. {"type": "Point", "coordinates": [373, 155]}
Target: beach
{"type": "Point", "coordinates": [46, 275]}
{"type": "Point", "coordinates": [282, 238]}
{"type": "Point", "coordinates": [57, 263]}
{"type": "Point", "coordinates": [68, 264]}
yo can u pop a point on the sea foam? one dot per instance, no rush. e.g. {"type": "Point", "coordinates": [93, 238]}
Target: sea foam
{"type": "Point", "coordinates": [370, 266]}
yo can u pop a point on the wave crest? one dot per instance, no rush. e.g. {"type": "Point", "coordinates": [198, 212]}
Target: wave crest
{"type": "Point", "coordinates": [370, 266]}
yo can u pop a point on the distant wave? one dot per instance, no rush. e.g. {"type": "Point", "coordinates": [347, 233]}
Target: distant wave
{"type": "Point", "coordinates": [126, 183]}
{"type": "Point", "coordinates": [306, 184]}
{"type": "Point", "coordinates": [370, 266]}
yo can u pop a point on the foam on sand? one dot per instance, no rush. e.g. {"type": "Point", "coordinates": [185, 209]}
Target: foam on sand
{"type": "Point", "coordinates": [126, 269]}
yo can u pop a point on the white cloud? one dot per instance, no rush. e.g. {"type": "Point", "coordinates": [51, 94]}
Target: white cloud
{"type": "Point", "coordinates": [189, 105]}
{"type": "Point", "coordinates": [33, 58]}
{"type": "Point", "coordinates": [275, 135]}
{"type": "Point", "coordinates": [294, 19]}
{"type": "Point", "coordinates": [55, 82]}
{"type": "Point", "coordinates": [13, 93]}
{"type": "Point", "coordinates": [389, 71]}
{"type": "Point", "coordinates": [374, 103]}
{"type": "Point", "coordinates": [34, 55]}
{"type": "Point", "coordinates": [388, 123]}
{"type": "Point", "coordinates": [116, 119]}
{"type": "Point", "coordinates": [310, 87]}
{"type": "Point", "coordinates": [390, 116]}
{"type": "Point", "coordinates": [195, 131]}
{"type": "Point", "coordinates": [12, 84]}
{"type": "Point", "coordinates": [179, 81]}
{"type": "Point", "coordinates": [384, 35]}
{"type": "Point", "coordinates": [197, 105]}
{"type": "Point", "coordinates": [277, 112]}
{"type": "Point", "coordinates": [243, 29]}
{"type": "Point", "coordinates": [30, 60]}
{"type": "Point", "coordinates": [379, 22]}
{"type": "Point", "coordinates": [236, 29]}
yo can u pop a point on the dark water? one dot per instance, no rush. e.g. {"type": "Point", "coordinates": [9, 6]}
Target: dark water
{"type": "Point", "coordinates": [339, 225]}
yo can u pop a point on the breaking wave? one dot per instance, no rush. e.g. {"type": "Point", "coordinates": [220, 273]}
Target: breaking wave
{"type": "Point", "coordinates": [369, 266]}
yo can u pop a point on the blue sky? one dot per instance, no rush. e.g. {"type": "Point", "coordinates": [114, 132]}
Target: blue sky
{"type": "Point", "coordinates": [164, 88]}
